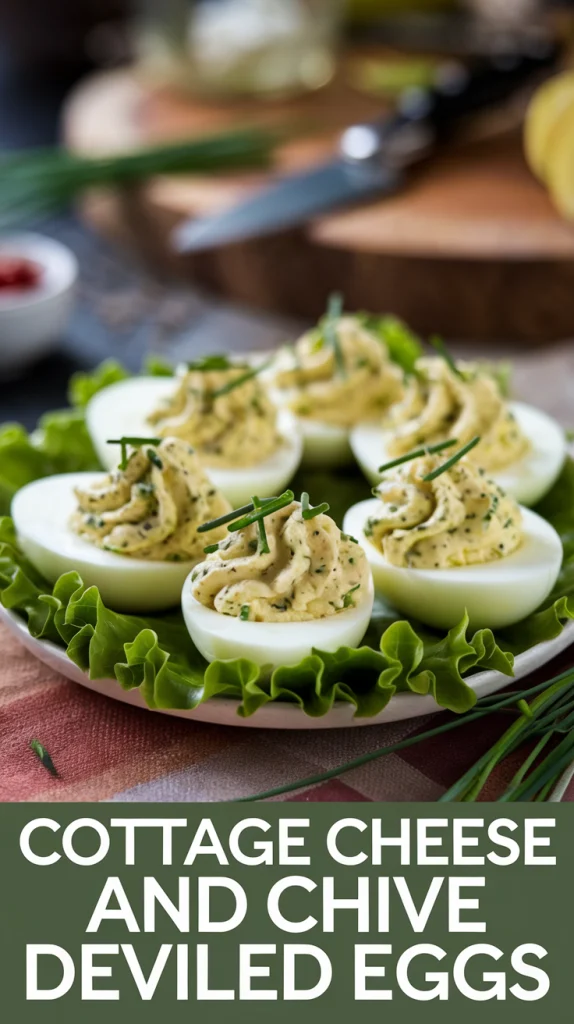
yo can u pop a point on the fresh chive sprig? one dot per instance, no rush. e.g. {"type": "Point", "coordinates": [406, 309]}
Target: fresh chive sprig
{"type": "Point", "coordinates": [483, 707]}
{"type": "Point", "coordinates": [430, 449]}
{"type": "Point", "coordinates": [37, 181]}
{"type": "Point", "coordinates": [264, 508]}
{"type": "Point", "coordinates": [438, 344]}
{"type": "Point", "coordinates": [310, 511]}
{"type": "Point", "coordinates": [263, 542]}
{"type": "Point", "coordinates": [132, 442]}
{"type": "Point", "coordinates": [44, 757]}
{"type": "Point", "coordinates": [452, 461]}
{"type": "Point", "coordinates": [248, 514]}
{"type": "Point", "coordinates": [227, 518]}
{"type": "Point", "coordinates": [237, 382]}
{"type": "Point", "coordinates": [334, 312]}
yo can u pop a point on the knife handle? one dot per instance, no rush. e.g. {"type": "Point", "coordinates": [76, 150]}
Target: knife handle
{"type": "Point", "coordinates": [427, 116]}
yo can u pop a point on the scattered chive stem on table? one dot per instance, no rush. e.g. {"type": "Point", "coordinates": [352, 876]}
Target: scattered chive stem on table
{"type": "Point", "coordinates": [43, 756]}
{"type": "Point", "coordinates": [430, 449]}
{"type": "Point", "coordinates": [334, 312]}
{"type": "Point", "coordinates": [558, 691]}
{"type": "Point", "coordinates": [452, 461]}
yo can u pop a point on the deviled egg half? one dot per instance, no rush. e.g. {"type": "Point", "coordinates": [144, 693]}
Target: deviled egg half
{"type": "Point", "coordinates": [335, 376]}
{"type": "Point", "coordinates": [133, 533]}
{"type": "Point", "coordinates": [218, 407]}
{"type": "Point", "coordinates": [284, 581]}
{"type": "Point", "coordinates": [442, 537]}
{"type": "Point", "coordinates": [521, 447]}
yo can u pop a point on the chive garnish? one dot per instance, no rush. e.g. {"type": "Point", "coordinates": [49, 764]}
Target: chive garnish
{"type": "Point", "coordinates": [133, 442]}
{"type": "Point", "coordinates": [334, 312]}
{"type": "Point", "coordinates": [348, 597]}
{"type": "Point", "coordinates": [453, 459]}
{"type": "Point", "coordinates": [238, 381]}
{"type": "Point", "coordinates": [438, 344]}
{"type": "Point", "coordinates": [430, 449]}
{"type": "Point", "coordinates": [263, 542]}
{"type": "Point", "coordinates": [309, 511]}
{"type": "Point", "coordinates": [154, 458]}
{"type": "Point", "coordinates": [43, 756]}
{"type": "Point", "coordinates": [210, 549]}
{"type": "Point", "coordinates": [227, 518]}
{"type": "Point", "coordinates": [266, 508]}
{"type": "Point", "coordinates": [244, 613]}
{"type": "Point", "coordinates": [230, 516]}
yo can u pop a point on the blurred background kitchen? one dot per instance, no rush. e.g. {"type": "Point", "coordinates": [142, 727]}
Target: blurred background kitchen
{"type": "Point", "coordinates": [476, 242]}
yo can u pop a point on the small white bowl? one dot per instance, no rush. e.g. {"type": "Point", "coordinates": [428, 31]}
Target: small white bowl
{"type": "Point", "coordinates": [31, 322]}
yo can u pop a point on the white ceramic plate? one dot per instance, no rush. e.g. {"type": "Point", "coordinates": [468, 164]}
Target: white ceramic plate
{"type": "Point", "coordinates": [223, 711]}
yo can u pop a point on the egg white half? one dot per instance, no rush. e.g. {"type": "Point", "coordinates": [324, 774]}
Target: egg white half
{"type": "Point", "coordinates": [121, 410]}
{"type": "Point", "coordinates": [41, 512]}
{"type": "Point", "coordinates": [495, 594]}
{"type": "Point", "coordinates": [324, 444]}
{"type": "Point", "coordinates": [526, 480]}
{"type": "Point", "coordinates": [221, 637]}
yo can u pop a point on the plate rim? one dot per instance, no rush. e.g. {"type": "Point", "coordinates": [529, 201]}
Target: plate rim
{"type": "Point", "coordinates": [282, 715]}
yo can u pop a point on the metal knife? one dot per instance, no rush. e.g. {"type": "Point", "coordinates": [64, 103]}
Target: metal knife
{"type": "Point", "coordinates": [372, 158]}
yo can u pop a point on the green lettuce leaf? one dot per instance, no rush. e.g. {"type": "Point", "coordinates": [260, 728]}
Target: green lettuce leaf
{"type": "Point", "coordinates": [404, 346]}
{"type": "Point", "coordinates": [85, 384]}
{"type": "Point", "coordinates": [60, 444]}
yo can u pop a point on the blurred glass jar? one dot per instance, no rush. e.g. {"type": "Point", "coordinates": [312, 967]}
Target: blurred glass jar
{"type": "Point", "coordinates": [222, 48]}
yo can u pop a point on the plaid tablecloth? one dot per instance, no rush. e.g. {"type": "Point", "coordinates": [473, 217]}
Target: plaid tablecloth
{"type": "Point", "coordinates": [105, 750]}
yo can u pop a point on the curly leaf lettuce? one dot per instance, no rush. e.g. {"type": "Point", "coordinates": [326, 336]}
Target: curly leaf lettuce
{"type": "Point", "coordinates": [60, 444]}
{"type": "Point", "coordinates": [156, 655]}
{"type": "Point", "coordinates": [403, 345]}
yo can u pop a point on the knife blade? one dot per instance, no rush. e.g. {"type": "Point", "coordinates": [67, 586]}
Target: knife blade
{"type": "Point", "coordinates": [290, 202]}
{"type": "Point", "coordinates": [372, 158]}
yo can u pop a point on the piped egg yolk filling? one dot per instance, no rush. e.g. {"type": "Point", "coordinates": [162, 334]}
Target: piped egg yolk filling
{"type": "Point", "coordinates": [312, 571]}
{"type": "Point", "coordinates": [340, 375]}
{"type": "Point", "coordinates": [440, 404]}
{"type": "Point", "coordinates": [230, 421]}
{"type": "Point", "coordinates": [152, 508]}
{"type": "Point", "coordinates": [459, 518]}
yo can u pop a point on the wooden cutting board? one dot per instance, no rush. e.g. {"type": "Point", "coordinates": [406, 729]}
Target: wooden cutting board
{"type": "Point", "coordinates": [472, 248]}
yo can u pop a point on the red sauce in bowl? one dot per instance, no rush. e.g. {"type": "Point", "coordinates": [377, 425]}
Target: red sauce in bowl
{"type": "Point", "coordinates": [18, 274]}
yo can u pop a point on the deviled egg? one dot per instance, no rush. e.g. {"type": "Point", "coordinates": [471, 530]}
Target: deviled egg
{"type": "Point", "coordinates": [521, 447]}
{"type": "Point", "coordinates": [133, 534]}
{"type": "Point", "coordinates": [220, 408]}
{"type": "Point", "coordinates": [441, 537]}
{"type": "Point", "coordinates": [335, 376]}
{"type": "Point", "coordinates": [283, 582]}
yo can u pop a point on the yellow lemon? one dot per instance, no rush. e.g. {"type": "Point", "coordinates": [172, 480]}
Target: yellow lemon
{"type": "Point", "coordinates": [552, 104]}
{"type": "Point", "coordinates": [560, 165]}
